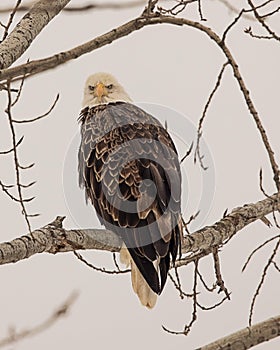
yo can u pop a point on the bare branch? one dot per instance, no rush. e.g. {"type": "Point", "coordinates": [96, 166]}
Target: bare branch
{"type": "Point", "coordinates": [235, 9]}
{"type": "Point", "coordinates": [202, 18]}
{"type": "Point", "coordinates": [220, 281]}
{"type": "Point", "coordinates": [182, 294]}
{"type": "Point", "coordinates": [194, 312]}
{"type": "Point", "coordinates": [19, 91]}
{"type": "Point", "coordinates": [83, 8]}
{"type": "Point", "coordinates": [209, 289]}
{"type": "Point", "coordinates": [197, 153]}
{"type": "Point", "coordinates": [18, 41]}
{"type": "Point", "coordinates": [276, 266]}
{"type": "Point", "coordinates": [21, 199]}
{"type": "Point", "coordinates": [188, 326]}
{"type": "Point", "coordinates": [248, 337]}
{"type": "Point", "coordinates": [10, 21]}
{"type": "Point", "coordinates": [188, 152]}
{"type": "Point", "coordinates": [269, 263]}
{"type": "Point", "coordinates": [257, 249]}
{"type": "Point", "coordinates": [250, 32]}
{"type": "Point", "coordinates": [99, 269]}
{"type": "Point", "coordinates": [179, 7]}
{"type": "Point", "coordinates": [12, 149]}
{"type": "Point", "coordinates": [60, 312]}
{"type": "Point", "coordinates": [270, 14]}
{"type": "Point", "coordinates": [115, 261]}
{"type": "Point", "coordinates": [52, 238]}
{"type": "Point", "coordinates": [212, 307]}
{"type": "Point", "coordinates": [40, 116]}
{"type": "Point", "coordinates": [261, 183]}
{"type": "Point", "coordinates": [262, 22]}
{"type": "Point", "coordinates": [5, 189]}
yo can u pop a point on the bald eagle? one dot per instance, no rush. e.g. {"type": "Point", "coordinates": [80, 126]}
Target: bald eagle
{"type": "Point", "coordinates": [129, 168]}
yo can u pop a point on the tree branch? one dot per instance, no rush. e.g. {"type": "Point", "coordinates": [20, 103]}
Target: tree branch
{"type": "Point", "coordinates": [60, 312]}
{"type": "Point", "coordinates": [41, 65]}
{"type": "Point", "coordinates": [18, 41]}
{"type": "Point", "coordinates": [261, 20]}
{"type": "Point", "coordinates": [87, 7]}
{"type": "Point", "coordinates": [248, 337]}
{"type": "Point", "coordinates": [53, 238]}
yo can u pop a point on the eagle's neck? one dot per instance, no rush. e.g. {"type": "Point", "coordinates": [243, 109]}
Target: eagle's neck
{"type": "Point", "coordinates": [89, 101]}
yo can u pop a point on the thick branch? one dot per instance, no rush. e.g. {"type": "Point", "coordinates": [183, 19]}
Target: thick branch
{"type": "Point", "coordinates": [42, 65]}
{"type": "Point", "coordinates": [248, 337]}
{"type": "Point", "coordinates": [27, 29]}
{"type": "Point", "coordinates": [53, 238]}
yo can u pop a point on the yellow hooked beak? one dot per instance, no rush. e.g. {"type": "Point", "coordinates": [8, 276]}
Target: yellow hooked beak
{"type": "Point", "coordinates": [100, 90]}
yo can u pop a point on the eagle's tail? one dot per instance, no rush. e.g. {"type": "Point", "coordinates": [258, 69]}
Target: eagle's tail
{"type": "Point", "coordinates": [145, 294]}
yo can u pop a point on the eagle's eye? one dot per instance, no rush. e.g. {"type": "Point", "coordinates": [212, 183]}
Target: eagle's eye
{"type": "Point", "coordinates": [91, 87]}
{"type": "Point", "coordinates": [109, 86]}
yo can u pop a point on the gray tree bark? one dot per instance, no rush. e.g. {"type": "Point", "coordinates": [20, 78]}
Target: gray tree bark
{"type": "Point", "coordinates": [53, 238]}
{"type": "Point", "coordinates": [248, 337]}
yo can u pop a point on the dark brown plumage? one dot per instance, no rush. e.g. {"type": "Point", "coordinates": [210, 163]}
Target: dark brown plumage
{"type": "Point", "coordinates": [122, 145]}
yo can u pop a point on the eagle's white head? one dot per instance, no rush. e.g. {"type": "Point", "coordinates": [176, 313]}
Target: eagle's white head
{"type": "Point", "coordinates": [103, 88]}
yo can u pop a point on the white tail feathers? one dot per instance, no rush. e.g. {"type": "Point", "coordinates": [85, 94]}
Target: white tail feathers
{"type": "Point", "coordinates": [145, 294]}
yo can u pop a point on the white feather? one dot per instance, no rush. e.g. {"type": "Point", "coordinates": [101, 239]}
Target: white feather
{"type": "Point", "coordinates": [145, 294]}
{"type": "Point", "coordinates": [115, 94]}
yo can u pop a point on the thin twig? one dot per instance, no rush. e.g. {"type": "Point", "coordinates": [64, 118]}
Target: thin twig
{"type": "Point", "coordinates": [182, 294]}
{"type": "Point", "coordinates": [257, 249]}
{"type": "Point", "coordinates": [202, 18]}
{"type": "Point", "coordinates": [250, 32]}
{"type": "Point", "coordinates": [207, 308]}
{"type": "Point", "coordinates": [261, 183]}
{"type": "Point", "coordinates": [220, 281]}
{"type": "Point", "coordinates": [5, 189]}
{"type": "Point", "coordinates": [178, 283]}
{"type": "Point", "coordinates": [270, 14]}
{"type": "Point", "coordinates": [188, 326]}
{"type": "Point", "coordinates": [232, 24]}
{"type": "Point", "coordinates": [60, 312]}
{"type": "Point", "coordinates": [115, 261]}
{"type": "Point", "coordinates": [12, 149]}
{"type": "Point", "coordinates": [191, 219]}
{"type": "Point", "coordinates": [177, 8]}
{"type": "Point", "coordinates": [99, 269]}
{"type": "Point", "coordinates": [197, 153]}
{"type": "Point", "coordinates": [235, 9]}
{"type": "Point", "coordinates": [269, 262]}
{"type": "Point", "coordinates": [194, 312]}
{"type": "Point", "coordinates": [187, 153]}
{"type": "Point", "coordinates": [209, 289]}
{"type": "Point", "coordinates": [16, 161]}
{"type": "Point", "coordinates": [276, 266]}
{"type": "Point", "coordinates": [262, 21]}
{"type": "Point", "coordinates": [19, 91]}
{"type": "Point", "coordinates": [10, 21]}
{"type": "Point", "coordinates": [40, 116]}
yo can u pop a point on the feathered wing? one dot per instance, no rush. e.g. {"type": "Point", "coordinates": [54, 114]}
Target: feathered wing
{"type": "Point", "coordinates": [123, 152]}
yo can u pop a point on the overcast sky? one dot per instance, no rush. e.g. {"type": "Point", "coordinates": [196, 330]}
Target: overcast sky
{"type": "Point", "coordinates": [169, 71]}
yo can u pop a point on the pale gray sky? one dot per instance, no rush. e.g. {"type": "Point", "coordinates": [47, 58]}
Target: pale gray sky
{"type": "Point", "coordinates": [159, 65]}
